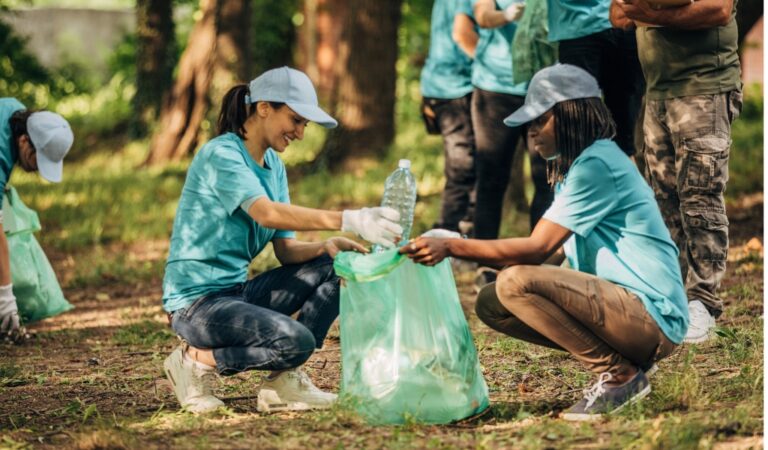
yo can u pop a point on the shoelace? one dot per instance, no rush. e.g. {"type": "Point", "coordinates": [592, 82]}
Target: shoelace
{"type": "Point", "coordinates": [597, 390]}
{"type": "Point", "coordinates": [303, 379]}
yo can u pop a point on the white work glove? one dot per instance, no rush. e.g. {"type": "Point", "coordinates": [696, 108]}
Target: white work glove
{"type": "Point", "coordinates": [514, 12]}
{"type": "Point", "coordinates": [442, 233]}
{"type": "Point", "coordinates": [9, 313]}
{"type": "Point", "coordinates": [377, 225]}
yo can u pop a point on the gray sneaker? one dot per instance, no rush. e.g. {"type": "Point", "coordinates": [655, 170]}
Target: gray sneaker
{"type": "Point", "coordinates": [601, 399]}
{"type": "Point", "coordinates": [192, 385]}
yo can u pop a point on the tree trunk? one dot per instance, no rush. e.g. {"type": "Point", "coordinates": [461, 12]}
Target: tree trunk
{"type": "Point", "coordinates": [233, 43]}
{"type": "Point", "coordinates": [155, 60]}
{"type": "Point", "coordinates": [320, 39]}
{"type": "Point", "coordinates": [185, 108]}
{"type": "Point", "coordinates": [366, 89]}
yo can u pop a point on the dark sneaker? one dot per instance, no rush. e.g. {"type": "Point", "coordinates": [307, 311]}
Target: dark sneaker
{"type": "Point", "coordinates": [484, 276]}
{"type": "Point", "coordinates": [601, 399]}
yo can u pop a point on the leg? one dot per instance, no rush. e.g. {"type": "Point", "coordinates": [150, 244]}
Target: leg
{"type": "Point", "coordinates": [454, 117]}
{"type": "Point", "coordinates": [701, 127]}
{"type": "Point", "coordinates": [601, 324]}
{"type": "Point", "coordinates": [495, 147]}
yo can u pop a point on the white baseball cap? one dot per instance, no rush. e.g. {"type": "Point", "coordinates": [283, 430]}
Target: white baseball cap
{"type": "Point", "coordinates": [52, 138]}
{"type": "Point", "coordinates": [292, 87]}
{"type": "Point", "coordinates": [553, 85]}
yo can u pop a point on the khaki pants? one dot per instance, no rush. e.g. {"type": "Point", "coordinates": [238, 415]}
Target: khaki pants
{"type": "Point", "coordinates": [603, 325]}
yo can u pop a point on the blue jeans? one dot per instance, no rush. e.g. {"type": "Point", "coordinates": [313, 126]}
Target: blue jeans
{"type": "Point", "coordinates": [249, 326]}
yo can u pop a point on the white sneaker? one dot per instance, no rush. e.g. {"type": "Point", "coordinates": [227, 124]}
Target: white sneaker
{"type": "Point", "coordinates": [700, 323]}
{"type": "Point", "coordinates": [292, 390]}
{"type": "Point", "coordinates": [192, 384]}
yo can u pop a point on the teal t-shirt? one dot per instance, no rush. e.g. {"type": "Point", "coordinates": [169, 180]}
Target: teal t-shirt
{"type": "Point", "coordinates": [214, 239]}
{"type": "Point", "coordinates": [8, 153]}
{"type": "Point", "coordinates": [492, 68]}
{"type": "Point", "coordinates": [571, 19]}
{"type": "Point", "coordinates": [447, 73]}
{"type": "Point", "coordinates": [619, 234]}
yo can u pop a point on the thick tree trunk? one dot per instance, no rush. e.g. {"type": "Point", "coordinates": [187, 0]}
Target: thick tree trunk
{"type": "Point", "coordinates": [233, 46]}
{"type": "Point", "coordinates": [188, 103]}
{"type": "Point", "coordinates": [155, 60]}
{"type": "Point", "coordinates": [320, 40]}
{"type": "Point", "coordinates": [366, 89]}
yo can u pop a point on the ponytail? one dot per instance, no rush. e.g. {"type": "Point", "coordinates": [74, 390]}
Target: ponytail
{"type": "Point", "coordinates": [234, 111]}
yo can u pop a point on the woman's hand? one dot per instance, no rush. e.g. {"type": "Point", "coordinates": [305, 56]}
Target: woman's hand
{"type": "Point", "coordinates": [427, 251]}
{"type": "Point", "coordinates": [338, 244]}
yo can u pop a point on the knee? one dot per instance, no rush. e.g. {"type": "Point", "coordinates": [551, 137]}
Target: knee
{"type": "Point", "coordinates": [512, 281]}
{"type": "Point", "coordinates": [298, 344]}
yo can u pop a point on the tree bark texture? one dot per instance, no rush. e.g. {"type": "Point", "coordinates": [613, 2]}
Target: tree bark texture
{"type": "Point", "coordinates": [185, 108]}
{"type": "Point", "coordinates": [366, 85]}
{"type": "Point", "coordinates": [155, 60]}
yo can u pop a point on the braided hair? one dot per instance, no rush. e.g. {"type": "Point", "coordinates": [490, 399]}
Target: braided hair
{"type": "Point", "coordinates": [578, 124]}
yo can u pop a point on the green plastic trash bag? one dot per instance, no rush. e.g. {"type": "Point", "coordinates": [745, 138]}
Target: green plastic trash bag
{"type": "Point", "coordinates": [407, 353]}
{"type": "Point", "coordinates": [531, 49]}
{"type": "Point", "coordinates": [37, 291]}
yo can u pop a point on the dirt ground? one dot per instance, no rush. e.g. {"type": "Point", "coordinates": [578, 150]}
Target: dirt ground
{"type": "Point", "coordinates": [92, 378]}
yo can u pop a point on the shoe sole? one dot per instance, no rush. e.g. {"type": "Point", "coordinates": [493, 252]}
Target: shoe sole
{"type": "Point", "coordinates": [268, 401]}
{"type": "Point", "coordinates": [698, 340]}
{"type": "Point", "coordinates": [572, 417]}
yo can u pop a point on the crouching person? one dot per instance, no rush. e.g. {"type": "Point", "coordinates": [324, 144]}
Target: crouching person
{"type": "Point", "coordinates": [622, 305]}
{"type": "Point", "coordinates": [234, 202]}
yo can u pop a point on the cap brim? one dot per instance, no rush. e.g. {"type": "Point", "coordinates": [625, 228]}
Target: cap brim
{"type": "Point", "coordinates": [525, 114]}
{"type": "Point", "coordinates": [50, 170]}
{"type": "Point", "coordinates": [314, 114]}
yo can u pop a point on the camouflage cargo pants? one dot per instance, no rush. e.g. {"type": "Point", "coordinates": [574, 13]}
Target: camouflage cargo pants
{"type": "Point", "coordinates": [687, 144]}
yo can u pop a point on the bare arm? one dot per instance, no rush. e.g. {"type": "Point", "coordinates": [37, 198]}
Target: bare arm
{"type": "Point", "coordinates": [536, 249]}
{"type": "Point", "coordinates": [463, 33]}
{"type": "Point", "coordinates": [282, 216]}
{"type": "Point", "coordinates": [619, 19]}
{"type": "Point", "coordinates": [487, 15]}
{"type": "Point", "coordinates": [697, 15]}
{"type": "Point", "coordinates": [291, 251]}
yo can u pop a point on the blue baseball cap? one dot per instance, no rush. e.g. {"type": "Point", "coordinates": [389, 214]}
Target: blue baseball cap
{"type": "Point", "coordinates": [552, 85]}
{"type": "Point", "coordinates": [292, 87]}
{"type": "Point", "coordinates": [52, 138]}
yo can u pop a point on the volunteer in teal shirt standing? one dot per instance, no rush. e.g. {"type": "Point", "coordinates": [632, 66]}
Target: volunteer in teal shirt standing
{"type": "Point", "coordinates": [587, 39]}
{"type": "Point", "coordinates": [495, 97]}
{"type": "Point", "coordinates": [37, 141]}
{"type": "Point", "coordinates": [621, 306]}
{"type": "Point", "coordinates": [446, 88]}
{"type": "Point", "coordinates": [234, 202]}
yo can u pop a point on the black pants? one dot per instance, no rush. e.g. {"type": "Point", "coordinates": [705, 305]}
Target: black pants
{"type": "Point", "coordinates": [496, 145]}
{"type": "Point", "coordinates": [611, 57]}
{"type": "Point", "coordinates": [455, 122]}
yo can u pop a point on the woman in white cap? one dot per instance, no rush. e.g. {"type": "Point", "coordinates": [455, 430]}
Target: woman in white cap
{"type": "Point", "coordinates": [36, 141]}
{"type": "Point", "coordinates": [234, 202]}
{"type": "Point", "coordinates": [622, 306]}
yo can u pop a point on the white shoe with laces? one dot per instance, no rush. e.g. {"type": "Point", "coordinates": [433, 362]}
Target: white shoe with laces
{"type": "Point", "coordinates": [292, 390]}
{"type": "Point", "coordinates": [192, 384]}
{"type": "Point", "coordinates": [700, 325]}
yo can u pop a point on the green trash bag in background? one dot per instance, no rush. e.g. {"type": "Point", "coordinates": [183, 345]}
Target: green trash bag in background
{"type": "Point", "coordinates": [407, 353]}
{"type": "Point", "coordinates": [37, 291]}
{"type": "Point", "coordinates": [531, 49]}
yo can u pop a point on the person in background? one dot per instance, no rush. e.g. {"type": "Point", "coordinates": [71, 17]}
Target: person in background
{"type": "Point", "coordinates": [622, 306]}
{"type": "Point", "coordinates": [446, 88]}
{"type": "Point", "coordinates": [36, 141]}
{"type": "Point", "coordinates": [587, 39]}
{"type": "Point", "coordinates": [495, 97]}
{"type": "Point", "coordinates": [234, 202]}
{"type": "Point", "coordinates": [690, 59]}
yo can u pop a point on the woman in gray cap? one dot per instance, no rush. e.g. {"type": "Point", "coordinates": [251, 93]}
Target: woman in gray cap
{"type": "Point", "coordinates": [621, 306]}
{"type": "Point", "coordinates": [36, 141]}
{"type": "Point", "coordinates": [234, 202]}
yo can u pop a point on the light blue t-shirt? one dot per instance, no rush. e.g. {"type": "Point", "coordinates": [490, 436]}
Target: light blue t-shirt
{"type": "Point", "coordinates": [571, 19]}
{"type": "Point", "coordinates": [619, 234]}
{"type": "Point", "coordinates": [447, 73]}
{"type": "Point", "coordinates": [492, 68]}
{"type": "Point", "coordinates": [8, 153]}
{"type": "Point", "coordinates": [214, 239]}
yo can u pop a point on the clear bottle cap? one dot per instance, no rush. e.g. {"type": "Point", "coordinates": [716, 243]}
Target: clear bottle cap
{"type": "Point", "coordinates": [404, 164]}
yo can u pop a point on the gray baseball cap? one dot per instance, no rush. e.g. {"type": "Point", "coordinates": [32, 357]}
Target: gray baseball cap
{"type": "Point", "coordinates": [292, 87]}
{"type": "Point", "coordinates": [552, 85]}
{"type": "Point", "coordinates": [52, 137]}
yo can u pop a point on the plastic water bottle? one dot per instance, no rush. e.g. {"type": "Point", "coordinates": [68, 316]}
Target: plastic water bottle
{"type": "Point", "coordinates": [400, 194]}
